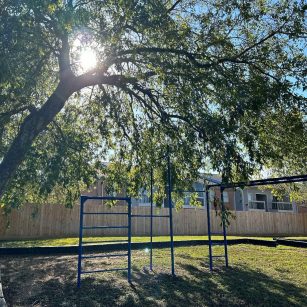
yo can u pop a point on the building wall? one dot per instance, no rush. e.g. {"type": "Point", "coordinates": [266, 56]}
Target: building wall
{"type": "Point", "coordinates": [302, 207]}
{"type": "Point", "coordinates": [234, 199]}
{"type": "Point", "coordinates": [229, 198]}
{"type": "Point", "coordinates": [250, 194]}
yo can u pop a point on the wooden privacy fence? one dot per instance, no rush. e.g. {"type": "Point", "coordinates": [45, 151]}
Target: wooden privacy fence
{"type": "Point", "coordinates": [52, 221]}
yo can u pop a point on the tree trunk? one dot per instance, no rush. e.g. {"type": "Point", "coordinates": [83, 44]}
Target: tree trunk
{"type": "Point", "coordinates": [32, 126]}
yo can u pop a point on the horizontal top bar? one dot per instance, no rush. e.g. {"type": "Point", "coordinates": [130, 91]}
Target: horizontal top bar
{"type": "Point", "coordinates": [188, 191]}
{"type": "Point", "coordinates": [277, 180]}
{"type": "Point", "coordinates": [85, 197]}
{"type": "Point", "coordinates": [106, 213]}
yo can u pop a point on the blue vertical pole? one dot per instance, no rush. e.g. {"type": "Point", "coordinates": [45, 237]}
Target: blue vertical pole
{"type": "Point", "coordinates": [224, 226]}
{"type": "Point", "coordinates": [209, 228]}
{"type": "Point", "coordinates": [151, 214]}
{"type": "Point", "coordinates": [82, 200]}
{"type": "Point", "coordinates": [129, 240]}
{"type": "Point", "coordinates": [170, 206]}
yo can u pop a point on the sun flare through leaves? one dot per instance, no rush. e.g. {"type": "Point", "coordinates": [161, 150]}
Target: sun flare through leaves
{"type": "Point", "coordinates": [88, 59]}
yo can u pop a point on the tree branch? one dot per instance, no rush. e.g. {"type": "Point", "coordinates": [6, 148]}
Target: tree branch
{"type": "Point", "coordinates": [173, 6]}
{"type": "Point", "coordinates": [16, 111]}
{"type": "Point", "coordinates": [31, 127]}
{"type": "Point", "coordinates": [261, 41]}
{"type": "Point", "coordinates": [142, 100]}
{"type": "Point", "coordinates": [64, 59]}
{"type": "Point", "coordinates": [86, 80]}
{"type": "Point", "coordinates": [189, 55]}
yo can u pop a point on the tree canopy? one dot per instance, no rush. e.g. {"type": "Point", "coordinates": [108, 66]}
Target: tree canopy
{"type": "Point", "coordinates": [220, 83]}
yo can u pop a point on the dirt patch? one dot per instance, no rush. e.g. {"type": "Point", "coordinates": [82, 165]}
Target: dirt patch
{"type": "Point", "coordinates": [24, 277]}
{"type": "Point", "coordinates": [52, 281]}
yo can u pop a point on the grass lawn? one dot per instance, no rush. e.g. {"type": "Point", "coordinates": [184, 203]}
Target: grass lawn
{"type": "Point", "coordinates": [74, 241]}
{"type": "Point", "coordinates": [257, 275]}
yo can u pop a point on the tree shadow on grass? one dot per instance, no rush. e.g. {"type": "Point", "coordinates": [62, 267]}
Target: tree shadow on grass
{"type": "Point", "coordinates": [242, 285]}
{"type": "Point", "coordinates": [231, 287]}
{"type": "Point", "coordinates": [193, 286]}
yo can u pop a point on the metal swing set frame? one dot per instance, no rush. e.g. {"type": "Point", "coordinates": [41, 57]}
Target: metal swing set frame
{"type": "Point", "coordinates": [222, 186]}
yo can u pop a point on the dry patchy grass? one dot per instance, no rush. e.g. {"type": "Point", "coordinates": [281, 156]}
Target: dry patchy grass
{"type": "Point", "coordinates": [257, 276]}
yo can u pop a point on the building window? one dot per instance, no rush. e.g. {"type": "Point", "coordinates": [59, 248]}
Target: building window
{"type": "Point", "coordinates": [197, 186]}
{"type": "Point", "coordinates": [284, 205]}
{"type": "Point", "coordinates": [143, 199]}
{"type": "Point", "coordinates": [211, 199]}
{"type": "Point", "coordinates": [257, 202]}
{"type": "Point", "coordinates": [225, 197]}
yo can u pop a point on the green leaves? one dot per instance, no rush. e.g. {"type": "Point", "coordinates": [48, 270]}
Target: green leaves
{"type": "Point", "coordinates": [218, 82]}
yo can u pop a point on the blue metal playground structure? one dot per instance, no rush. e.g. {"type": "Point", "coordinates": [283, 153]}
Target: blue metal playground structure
{"type": "Point", "coordinates": [81, 255]}
{"type": "Point", "coordinates": [215, 183]}
{"type": "Point", "coordinates": [223, 186]}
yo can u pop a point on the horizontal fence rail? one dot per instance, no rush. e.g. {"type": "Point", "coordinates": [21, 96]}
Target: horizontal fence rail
{"type": "Point", "coordinates": [54, 221]}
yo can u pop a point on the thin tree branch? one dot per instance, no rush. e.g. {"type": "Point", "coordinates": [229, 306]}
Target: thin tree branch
{"type": "Point", "coordinates": [142, 100]}
{"type": "Point", "coordinates": [173, 6]}
{"type": "Point", "coordinates": [16, 111]}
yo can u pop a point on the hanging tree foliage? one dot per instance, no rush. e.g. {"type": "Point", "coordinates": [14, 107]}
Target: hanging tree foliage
{"type": "Point", "coordinates": [219, 82]}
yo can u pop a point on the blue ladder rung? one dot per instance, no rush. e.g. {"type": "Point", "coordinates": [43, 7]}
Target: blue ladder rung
{"type": "Point", "coordinates": [106, 213]}
{"type": "Point", "coordinates": [218, 243]}
{"type": "Point", "coordinates": [113, 241]}
{"type": "Point", "coordinates": [103, 227]}
{"type": "Point", "coordinates": [108, 270]}
{"type": "Point", "coordinates": [104, 256]}
{"type": "Point", "coordinates": [148, 215]}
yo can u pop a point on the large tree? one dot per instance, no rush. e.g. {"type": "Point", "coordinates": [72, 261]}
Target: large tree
{"type": "Point", "coordinates": [220, 82]}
